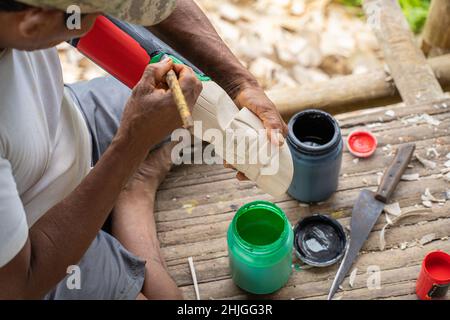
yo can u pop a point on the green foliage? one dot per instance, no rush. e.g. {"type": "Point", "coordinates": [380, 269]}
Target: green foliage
{"type": "Point", "coordinates": [353, 3]}
{"type": "Point", "coordinates": [415, 11]}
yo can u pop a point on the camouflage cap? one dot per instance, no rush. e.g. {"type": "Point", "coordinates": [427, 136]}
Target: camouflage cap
{"type": "Point", "coordinates": [142, 12]}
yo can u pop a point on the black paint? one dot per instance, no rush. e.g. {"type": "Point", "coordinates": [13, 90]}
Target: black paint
{"type": "Point", "coordinates": [319, 240]}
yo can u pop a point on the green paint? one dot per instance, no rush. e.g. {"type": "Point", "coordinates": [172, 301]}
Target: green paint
{"type": "Point", "coordinates": [260, 244]}
{"type": "Point", "coordinates": [157, 58]}
{"type": "Point", "coordinates": [260, 227]}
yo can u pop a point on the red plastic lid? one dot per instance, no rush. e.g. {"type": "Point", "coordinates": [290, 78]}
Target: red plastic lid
{"type": "Point", "coordinates": [437, 265]}
{"type": "Point", "coordinates": [362, 144]}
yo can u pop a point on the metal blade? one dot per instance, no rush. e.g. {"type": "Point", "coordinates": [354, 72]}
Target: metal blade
{"type": "Point", "coordinates": [364, 216]}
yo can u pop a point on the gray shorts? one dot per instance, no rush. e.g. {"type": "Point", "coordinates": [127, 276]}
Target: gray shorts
{"type": "Point", "coordinates": [107, 270]}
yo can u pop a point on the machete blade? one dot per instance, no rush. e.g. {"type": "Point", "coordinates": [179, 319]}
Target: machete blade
{"type": "Point", "coordinates": [365, 214]}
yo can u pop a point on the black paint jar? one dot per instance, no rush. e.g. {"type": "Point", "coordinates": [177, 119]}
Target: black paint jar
{"type": "Point", "coordinates": [316, 145]}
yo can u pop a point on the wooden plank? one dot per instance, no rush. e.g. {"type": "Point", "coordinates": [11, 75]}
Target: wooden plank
{"type": "Point", "coordinates": [210, 248]}
{"type": "Point", "coordinates": [226, 196]}
{"type": "Point", "coordinates": [349, 93]}
{"type": "Point", "coordinates": [437, 27]}
{"type": "Point", "coordinates": [199, 230]}
{"type": "Point", "coordinates": [413, 76]}
{"type": "Point", "coordinates": [317, 281]}
{"type": "Point", "coordinates": [217, 268]}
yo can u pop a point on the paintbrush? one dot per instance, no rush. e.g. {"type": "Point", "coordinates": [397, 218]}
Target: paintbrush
{"type": "Point", "coordinates": [180, 100]}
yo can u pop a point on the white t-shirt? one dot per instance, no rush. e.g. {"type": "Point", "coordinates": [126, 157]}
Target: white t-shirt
{"type": "Point", "coordinates": [45, 148]}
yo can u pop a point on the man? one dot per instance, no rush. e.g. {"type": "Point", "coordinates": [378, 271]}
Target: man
{"type": "Point", "coordinates": [52, 205]}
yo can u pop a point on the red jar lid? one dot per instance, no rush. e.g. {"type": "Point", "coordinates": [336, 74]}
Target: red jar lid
{"type": "Point", "coordinates": [362, 144]}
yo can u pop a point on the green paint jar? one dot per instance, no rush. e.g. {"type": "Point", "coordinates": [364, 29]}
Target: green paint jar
{"type": "Point", "coordinates": [260, 243]}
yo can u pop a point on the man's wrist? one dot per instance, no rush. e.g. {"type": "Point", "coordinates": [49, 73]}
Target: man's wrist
{"type": "Point", "coordinates": [237, 81]}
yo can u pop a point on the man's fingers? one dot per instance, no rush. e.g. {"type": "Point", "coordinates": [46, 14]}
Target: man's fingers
{"type": "Point", "coordinates": [187, 77]}
{"type": "Point", "coordinates": [155, 73]}
{"type": "Point", "coordinates": [241, 177]}
{"type": "Point", "coordinates": [275, 136]}
{"type": "Point", "coordinates": [227, 165]}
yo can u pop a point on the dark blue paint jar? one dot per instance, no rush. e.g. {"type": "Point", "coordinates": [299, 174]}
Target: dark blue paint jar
{"type": "Point", "coordinates": [316, 145]}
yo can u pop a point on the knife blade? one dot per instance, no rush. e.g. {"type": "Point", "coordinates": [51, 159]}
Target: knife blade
{"type": "Point", "coordinates": [367, 210]}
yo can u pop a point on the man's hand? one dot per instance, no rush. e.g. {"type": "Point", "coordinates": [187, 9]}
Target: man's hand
{"type": "Point", "coordinates": [254, 99]}
{"type": "Point", "coordinates": [151, 112]}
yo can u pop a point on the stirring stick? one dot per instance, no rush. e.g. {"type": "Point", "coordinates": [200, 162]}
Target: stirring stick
{"type": "Point", "coordinates": [180, 100]}
{"type": "Point", "coordinates": [194, 277]}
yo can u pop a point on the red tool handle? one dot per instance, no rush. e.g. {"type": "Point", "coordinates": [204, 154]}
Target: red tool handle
{"type": "Point", "coordinates": [115, 51]}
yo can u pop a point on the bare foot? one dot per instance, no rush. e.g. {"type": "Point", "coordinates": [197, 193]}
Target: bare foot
{"type": "Point", "coordinates": [153, 170]}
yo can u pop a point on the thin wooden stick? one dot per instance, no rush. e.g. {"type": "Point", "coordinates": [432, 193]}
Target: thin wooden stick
{"type": "Point", "coordinates": [194, 277]}
{"type": "Point", "coordinates": [180, 100]}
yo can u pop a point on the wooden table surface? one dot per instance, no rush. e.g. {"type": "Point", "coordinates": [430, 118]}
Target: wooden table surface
{"type": "Point", "coordinates": [196, 204]}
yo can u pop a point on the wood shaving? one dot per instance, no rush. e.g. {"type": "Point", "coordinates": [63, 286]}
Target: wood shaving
{"type": "Point", "coordinates": [411, 213]}
{"type": "Point", "coordinates": [393, 208]}
{"type": "Point", "coordinates": [426, 163]}
{"type": "Point", "coordinates": [387, 147]}
{"type": "Point", "coordinates": [390, 113]}
{"type": "Point", "coordinates": [447, 164]}
{"type": "Point", "coordinates": [427, 196]}
{"type": "Point", "coordinates": [427, 238]}
{"type": "Point", "coordinates": [427, 204]}
{"type": "Point", "coordinates": [352, 278]}
{"type": "Point", "coordinates": [432, 152]}
{"type": "Point", "coordinates": [388, 219]}
{"type": "Point", "coordinates": [445, 170]}
{"type": "Point", "coordinates": [423, 118]}
{"type": "Point", "coordinates": [411, 177]}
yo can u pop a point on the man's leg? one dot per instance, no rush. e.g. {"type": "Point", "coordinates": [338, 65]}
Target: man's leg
{"type": "Point", "coordinates": [133, 223]}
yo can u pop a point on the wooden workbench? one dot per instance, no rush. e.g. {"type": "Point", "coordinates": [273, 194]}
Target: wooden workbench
{"type": "Point", "coordinates": [196, 203]}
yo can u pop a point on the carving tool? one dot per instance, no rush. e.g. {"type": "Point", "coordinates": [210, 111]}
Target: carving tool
{"type": "Point", "coordinates": [368, 208]}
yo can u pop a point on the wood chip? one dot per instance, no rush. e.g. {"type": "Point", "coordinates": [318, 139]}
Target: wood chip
{"type": "Point", "coordinates": [432, 152]}
{"type": "Point", "coordinates": [411, 177]}
{"type": "Point", "coordinates": [426, 163]}
{"type": "Point", "coordinates": [390, 113]}
{"type": "Point", "coordinates": [352, 278]}
{"type": "Point", "coordinates": [427, 238]}
{"type": "Point", "coordinates": [427, 204]}
{"type": "Point", "coordinates": [393, 208]}
{"type": "Point", "coordinates": [423, 118]}
{"type": "Point", "coordinates": [427, 196]}
{"type": "Point", "coordinates": [447, 164]}
{"type": "Point", "coordinates": [415, 212]}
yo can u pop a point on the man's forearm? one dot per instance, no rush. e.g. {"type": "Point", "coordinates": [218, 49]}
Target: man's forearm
{"type": "Point", "coordinates": [63, 235]}
{"type": "Point", "coordinates": [189, 31]}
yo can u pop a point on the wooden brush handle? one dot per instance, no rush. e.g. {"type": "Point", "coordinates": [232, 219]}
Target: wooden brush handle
{"type": "Point", "coordinates": [180, 100]}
